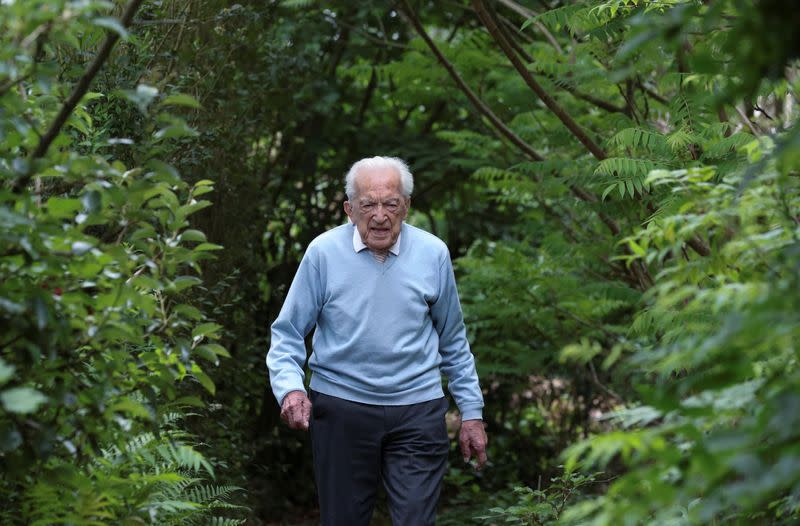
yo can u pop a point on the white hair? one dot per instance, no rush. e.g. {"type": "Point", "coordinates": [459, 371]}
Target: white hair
{"type": "Point", "coordinates": [406, 179]}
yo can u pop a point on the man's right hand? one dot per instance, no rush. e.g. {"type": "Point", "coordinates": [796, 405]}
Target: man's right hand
{"type": "Point", "coordinates": [296, 410]}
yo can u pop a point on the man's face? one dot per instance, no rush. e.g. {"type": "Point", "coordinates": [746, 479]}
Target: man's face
{"type": "Point", "coordinates": [378, 208]}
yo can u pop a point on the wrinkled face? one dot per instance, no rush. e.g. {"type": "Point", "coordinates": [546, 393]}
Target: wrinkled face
{"type": "Point", "coordinates": [378, 208]}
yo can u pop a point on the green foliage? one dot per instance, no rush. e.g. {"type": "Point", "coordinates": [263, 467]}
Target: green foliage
{"type": "Point", "coordinates": [540, 507]}
{"type": "Point", "coordinates": [717, 437]}
{"type": "Point", "coordinates": [98, 266]}
{"type": "Point", "coordinates": [157, 479]}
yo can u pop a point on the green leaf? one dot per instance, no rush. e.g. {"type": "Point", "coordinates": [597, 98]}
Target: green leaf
{"type": "Point", "coordinates": [176, 130]}
{"type": "Point", "coordinates": [145, 282]}
{"type": "Point", "coordinates": [188, 311]}
{"type": "Point", "coordinates": [142, 96]}
{"type": "Point", "coordinates": [80, 248]}
{"type": "Point", "coordinates": [192, 235]}
{"type": "Point", "coordinates": [204, 379]}
{"type": "Point", "coordinates": [636, 248]}
{"type": "Point", "coordinates": [608, 190]}
{"type": "Point", "coordinates": [63, 208]}
{"type": "Point", "coordinates": [133, 408]}
{"type": "Point", "coordinates": [629, 186]}
{"type": "Point", "coordinates": [206, 329]}
{"type": "Point", "coordinates": [112, 24]}
{"type": "Point", "coordinates": [22, 400]}
{"type": "Point", "coordinates": [91, 201]}
{"type": "Point", "coordinates": [6, 371]}
{"type": "Point", "coordinates": [167, 172]}
{"type": "Point", "coordinates": [215, 349]}
{"type": "Point", "coordinates": [205, 247]}
{"type": "Point", "coordinates": [184, 282]}
{"type": "Point", "coordinates": [182, 99]}
{"type": "Point", "coordinates": [194, 206]}
{"type": "Point", "coordinates": [191, 401]}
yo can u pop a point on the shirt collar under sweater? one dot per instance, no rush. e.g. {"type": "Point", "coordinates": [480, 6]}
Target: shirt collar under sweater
{"type": "Point", "coordinates": [358, 244]}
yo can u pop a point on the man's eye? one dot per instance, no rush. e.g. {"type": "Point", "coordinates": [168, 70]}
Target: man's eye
{"type": "Point", "coordinates": [392, 207]}
{"type": "Point", "coordinates": [367, 206]}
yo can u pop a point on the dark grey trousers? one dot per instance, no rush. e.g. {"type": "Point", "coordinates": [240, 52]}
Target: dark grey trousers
{"type": "Point", "coordinates": [355, 446]}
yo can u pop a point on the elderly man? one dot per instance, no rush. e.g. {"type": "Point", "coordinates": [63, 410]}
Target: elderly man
{"type": "Point", "coordinates": [383, 299]}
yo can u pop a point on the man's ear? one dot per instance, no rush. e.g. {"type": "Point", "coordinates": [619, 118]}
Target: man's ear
{"type": "Point", "coordinates": [348, 209]}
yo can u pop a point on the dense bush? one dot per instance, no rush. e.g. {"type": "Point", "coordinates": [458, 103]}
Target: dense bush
{"type": "Point", "coordinates": [103, 347]}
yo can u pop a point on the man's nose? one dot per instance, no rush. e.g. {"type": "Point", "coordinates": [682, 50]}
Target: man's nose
{"type": "Point", "coordinates": [380, 214]}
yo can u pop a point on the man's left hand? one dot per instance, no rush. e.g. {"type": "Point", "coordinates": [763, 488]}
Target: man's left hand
{"type": "Point", "coordinates": [473, 441]}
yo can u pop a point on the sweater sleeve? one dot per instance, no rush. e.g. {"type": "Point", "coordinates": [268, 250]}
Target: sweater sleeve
{"type": "Point", "coordinates": [287, 353]}
{"type": "Point", "coordinates": [458, 363]}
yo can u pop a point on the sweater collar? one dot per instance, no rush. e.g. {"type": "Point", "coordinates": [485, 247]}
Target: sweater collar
{"type": "Point", "coordinates": [358, 244]}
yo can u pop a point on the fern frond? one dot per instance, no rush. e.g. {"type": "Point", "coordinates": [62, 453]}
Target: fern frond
{"type": "Point", "coordinates": [185, 457]}
{"type": "Point", "coordinates": [638, 138]}
{"type": "Point", "coordinates": [222, 521]}
{"type": "Point", "coordinates": [575, 18]}
{"type": "Point", "coordinates": [208, 493]}
{"type": "Point", "coordinates": [628, 175]}
{"type": "Point", "coordinates": [726, 145]}
{"type": "Point", "coordinates": [622, 166]}
{"type": "Point", "coordinates": [488, 174]}
{"type": "Point", "coordinates": [297, 4]}
{"type": "Point", "coordinates": [562, 17]}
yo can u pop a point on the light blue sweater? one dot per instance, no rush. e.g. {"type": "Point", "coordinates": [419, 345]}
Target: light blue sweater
{"type": "Point", "coordinates": [384, 331]}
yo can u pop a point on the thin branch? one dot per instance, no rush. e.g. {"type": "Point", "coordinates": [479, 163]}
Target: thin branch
{"type": "Point", "coordinates": [653, 94]}
{"type": "Point", "coordinates": [526, 75]}
{"type": "Point", "coordinates": [408, 13]}
{"type": "Point", "coordinates": [746, 121]}
{"type": "Point", "coordinates": [365, 34]}
{"type": "Point", "coordinates": [599, 384]}
{"type": "Point", "coordinates": [371, 85]}
{"type": "Point", "coordinates": [79, 91]}
{"type": "Point", "coordinates": [528, 14]}
{"type": "Point", "coordinates": [10, 83]}
{"type": "Point", "coordinates": [603, 105]}
{"type": "Point", "coordinates": [699, 246]}
{"type": "Point", "coordinates": [513, 27]}
{"type": "Point", "coordinates": [514, 44]}
{"type": "Point", "coordinates": [161, 44]}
